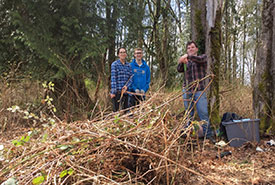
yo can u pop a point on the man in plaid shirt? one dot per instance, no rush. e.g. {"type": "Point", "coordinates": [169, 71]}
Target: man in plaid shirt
{"type": "Point", "coordinates": [194, 70]}
{"type": "Point", "coordinates": [121, 79]}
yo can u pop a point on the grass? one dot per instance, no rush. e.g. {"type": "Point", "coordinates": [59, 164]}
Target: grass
{"type": "Point", "coordinates": [238, 99]}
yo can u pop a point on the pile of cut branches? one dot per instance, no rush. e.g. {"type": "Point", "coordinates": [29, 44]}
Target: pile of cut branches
{"type": "Point", "coordinates": [143, 146]}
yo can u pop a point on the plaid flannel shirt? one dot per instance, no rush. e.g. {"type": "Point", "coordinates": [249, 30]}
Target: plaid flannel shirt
{"type": "Point", "coordinates": [195, 70]}
{"type": "Point", "coordinates": [120, 74]}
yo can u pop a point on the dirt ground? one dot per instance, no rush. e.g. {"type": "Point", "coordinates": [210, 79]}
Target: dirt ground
{"type": "Point", "coordinates": [245, 165]}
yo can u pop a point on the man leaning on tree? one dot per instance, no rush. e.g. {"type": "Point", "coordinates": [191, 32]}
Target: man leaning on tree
{"type": "Point", "coordinates": [194, 68]}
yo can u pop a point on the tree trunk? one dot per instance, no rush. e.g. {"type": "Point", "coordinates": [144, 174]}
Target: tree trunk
{"type": "Point", "coordinates": [71, 98]}
{"type": "Point", "coordinates": [101, 75]}
{"type": "Point", "coordinates": [255, 50]}
{"type": "Point", "coordinates": [229, 63]}
{"type": "Point", "coordinates": [198, 23]}
{"type": "Point", "coordinates": [139, 23]}
{"type": "Point", "coordinates": [264, 83]}
{"type": "Point", "coordinates": [111, 20]}
{"type": "Point", "coordinates": [234, 57]}
{"type": "Point", "coordinates": [227, 41]}
{"type": "Point", "coordinates": [213, 51]}
{"type": "Point", "coordinates": [206, 16]}
{"type": "Point", "coordinates": [157, 41]}
{"type": "Point", "coordinates": [163, 63]}
{"type": "Point", "coordinates": [244, 49]}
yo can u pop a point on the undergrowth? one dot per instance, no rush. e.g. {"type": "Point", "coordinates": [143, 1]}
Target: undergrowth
{"type": "Point", "coordinates": [145, 146]}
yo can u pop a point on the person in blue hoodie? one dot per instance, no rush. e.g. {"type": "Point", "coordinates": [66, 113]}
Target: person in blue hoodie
{"type": "Point", "coordinates": [141, 78]}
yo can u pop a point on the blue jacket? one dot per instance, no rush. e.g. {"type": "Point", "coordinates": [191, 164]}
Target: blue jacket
{"type": "Point", "coordinates": [142, 76]}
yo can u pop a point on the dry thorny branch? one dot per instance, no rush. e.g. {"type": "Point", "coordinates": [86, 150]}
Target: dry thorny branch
{"type": "Point", "coordinates": [143, 146]}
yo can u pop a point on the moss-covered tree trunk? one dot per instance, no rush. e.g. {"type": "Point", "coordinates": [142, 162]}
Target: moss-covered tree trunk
{"type": "Point", "coordinates": [264, 83]}
{"type": "Point", "coordinates": [206, 16]}
{"type": "Point", "coordinates": [213, 51]}
{"type": "Point", "coordinates": [198, 23]}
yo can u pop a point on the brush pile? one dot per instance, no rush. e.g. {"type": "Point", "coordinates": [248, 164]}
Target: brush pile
{"type": "Point", "coordinates": [143, 146]}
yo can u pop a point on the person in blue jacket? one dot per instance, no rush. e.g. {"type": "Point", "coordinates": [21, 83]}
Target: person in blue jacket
{"type": "Point", "coordinates": [141, 78]}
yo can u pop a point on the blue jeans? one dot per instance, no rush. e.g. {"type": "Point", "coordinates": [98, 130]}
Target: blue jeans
{"type": "Point", "coordinates": [201, 106]}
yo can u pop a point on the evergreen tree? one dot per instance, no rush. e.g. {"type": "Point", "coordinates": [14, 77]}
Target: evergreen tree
{"type": "Point", "coordinates": [66, 35]}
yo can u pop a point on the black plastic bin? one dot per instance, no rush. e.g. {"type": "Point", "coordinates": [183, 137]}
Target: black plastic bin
{"type": "Point", "coordinates": [240, 131]}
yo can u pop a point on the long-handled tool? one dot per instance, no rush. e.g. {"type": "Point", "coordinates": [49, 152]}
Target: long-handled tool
{"type": "Point", "coordinates": [123, 90]}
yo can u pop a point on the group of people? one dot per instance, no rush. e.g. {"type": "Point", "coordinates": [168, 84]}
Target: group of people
{"type": "Point", "coordinates": [130, 82]}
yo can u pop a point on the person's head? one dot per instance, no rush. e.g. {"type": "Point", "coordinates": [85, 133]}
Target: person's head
{"type": "Point", "coordinates": [138, 53]}
{"type": "Point", "coordinates": [121, 53]}
{"type": "Point", "coordinates": [192, 48]}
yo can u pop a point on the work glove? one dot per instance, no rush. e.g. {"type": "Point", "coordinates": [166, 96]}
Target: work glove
{"type": "Point", "coordinates": [137, 91]}
{"type": "Point", "coordinates": [142, 91]}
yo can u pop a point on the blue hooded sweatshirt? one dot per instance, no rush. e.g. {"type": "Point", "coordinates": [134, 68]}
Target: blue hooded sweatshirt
{"type": "Point", "coordinates": [142, 76]}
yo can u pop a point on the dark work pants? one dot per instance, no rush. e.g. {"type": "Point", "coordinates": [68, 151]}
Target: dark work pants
{"type": "Point", "coordinates": [135, 100]}
{"type": "Point", "coordinates": [120, 103]}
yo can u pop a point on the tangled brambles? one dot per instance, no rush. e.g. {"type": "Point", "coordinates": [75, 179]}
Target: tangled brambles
{"type": "Point", "coordinates": [143, 146]}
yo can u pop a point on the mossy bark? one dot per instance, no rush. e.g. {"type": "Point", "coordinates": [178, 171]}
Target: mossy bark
{"type": "Point", "coordinates": [264, 88]}
{"type": "Point", "coordinates": [200, 40]}
{"type": "Point", "coordinates": [207, 34]}
{"type": "Point", "coordinates": [215, 54]}
{"type": "Point", "coordinates": [198, 24]}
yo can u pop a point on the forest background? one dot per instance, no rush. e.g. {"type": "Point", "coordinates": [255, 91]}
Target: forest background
{"type": "Point", "coordinates": [56, 123]}
{"type": "Point", "coordinates": [56, 55]}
